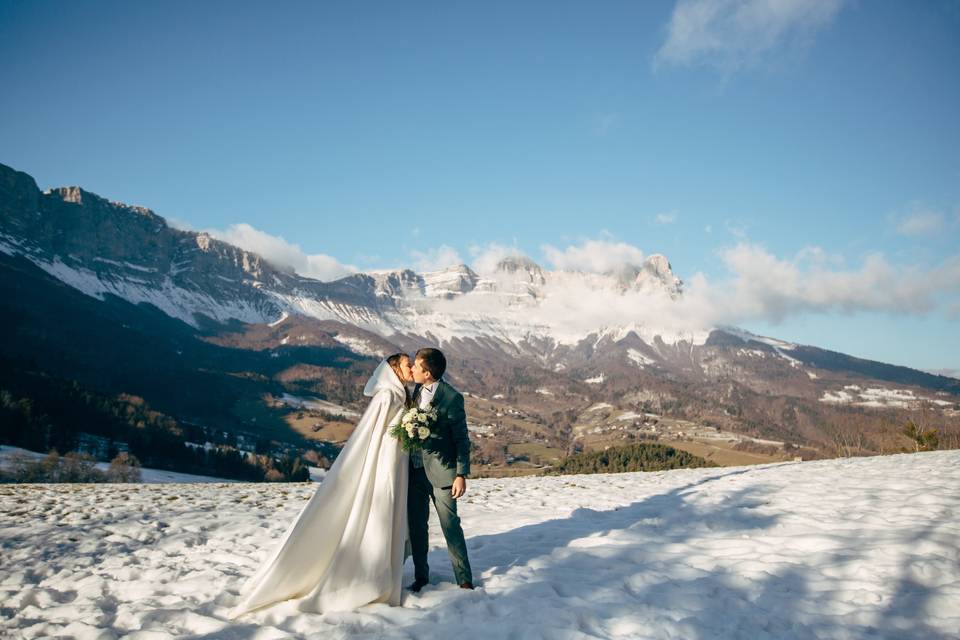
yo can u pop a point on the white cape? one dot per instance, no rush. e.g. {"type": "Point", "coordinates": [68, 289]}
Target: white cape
{"type": "Point", "coordinates": [346, 548]}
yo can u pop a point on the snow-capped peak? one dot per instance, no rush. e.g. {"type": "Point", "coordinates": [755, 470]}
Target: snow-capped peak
{"type": "Point", "coordinates": [451, 282]}
{"type": "Point", "coordinates": [523, 268]}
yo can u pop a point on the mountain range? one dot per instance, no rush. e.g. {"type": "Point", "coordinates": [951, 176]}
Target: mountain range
{"type": "Point", "coordinates": [82, 271]}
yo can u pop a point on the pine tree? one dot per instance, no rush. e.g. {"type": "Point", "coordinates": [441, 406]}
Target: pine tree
{"type": "Point", "coordinates": [923, 440]}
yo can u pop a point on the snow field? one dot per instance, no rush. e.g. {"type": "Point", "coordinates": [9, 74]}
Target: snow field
{"type": "Point", "coordinates": [848, 548]}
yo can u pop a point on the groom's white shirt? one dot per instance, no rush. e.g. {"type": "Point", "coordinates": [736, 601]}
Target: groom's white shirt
{"type": "Point", "coordinates": [426, 393]}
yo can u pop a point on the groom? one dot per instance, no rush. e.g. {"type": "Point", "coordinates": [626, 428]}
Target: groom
{"type": "Point", "coordinates": [438, 472]}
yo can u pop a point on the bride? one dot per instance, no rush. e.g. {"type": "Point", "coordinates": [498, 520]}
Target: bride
{"type": "Point", "coordinates": [346, 548]}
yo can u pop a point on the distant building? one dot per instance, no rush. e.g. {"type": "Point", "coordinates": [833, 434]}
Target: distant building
{"type": "Point", "coordinates": [479, 429]}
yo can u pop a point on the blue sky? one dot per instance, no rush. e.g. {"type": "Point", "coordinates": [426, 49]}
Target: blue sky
{"type": "Point", "coordinates": [816, 140]}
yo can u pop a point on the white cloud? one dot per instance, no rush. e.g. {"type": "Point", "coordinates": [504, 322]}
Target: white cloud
{"type": "Point", "coordinates": [733, 34]}
{"type": "Point", "coordinates": [668, 217]}
{"type": "Point", "coordinates": [817, 256]}
{"type": "Point", "coordinates": [181, 225]}
{"type": "Point", "coordinates": [763, 286]}
{"type": "Point", "coordinates": [921, 223]}
{"type": "Point", "coordinates": [576, 299]}
{"type": "Point", "coordinates": [436, 258]}
{"type": "Point", "coordinates": [281, 253]}
{"type": "Point", "coordinates": [737, 230]}
{"type": "Point", "coordinates": [583, 304]}
{"type": "Point", "coordinates": [486, 257]}
{"type": "Point", "coordinates": [757, 285]}
{"type": "Point", "coordinates": [594, 256]}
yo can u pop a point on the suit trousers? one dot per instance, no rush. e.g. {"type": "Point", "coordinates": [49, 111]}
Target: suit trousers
{"type": "Point", "coordinates": [419, 496]}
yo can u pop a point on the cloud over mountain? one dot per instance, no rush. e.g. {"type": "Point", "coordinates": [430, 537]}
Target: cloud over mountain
{"type": "Point", "coordinates": [282, 253]}
{"type": "Point", "coordinates": [756, 285]}
{"type": "Point", "coordinates": [594, 256]}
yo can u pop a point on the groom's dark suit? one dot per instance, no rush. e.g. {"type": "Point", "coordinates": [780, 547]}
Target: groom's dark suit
{"type": "Point", "coordinates": [445, 455]}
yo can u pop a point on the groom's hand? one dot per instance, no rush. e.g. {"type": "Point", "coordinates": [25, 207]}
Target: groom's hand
{"type": "Point", "coordinates": [459, 487]}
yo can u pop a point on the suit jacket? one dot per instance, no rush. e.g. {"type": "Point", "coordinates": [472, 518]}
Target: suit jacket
{"type": "Point", "coordinates": [446, 453]}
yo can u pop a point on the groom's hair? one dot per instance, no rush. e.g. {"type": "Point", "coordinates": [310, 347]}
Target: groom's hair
{"type": "Point", "coordinates": [433, 361]}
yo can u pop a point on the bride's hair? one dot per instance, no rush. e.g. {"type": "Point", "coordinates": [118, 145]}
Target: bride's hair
{"type": "Point", "coordinates": [394, 362]}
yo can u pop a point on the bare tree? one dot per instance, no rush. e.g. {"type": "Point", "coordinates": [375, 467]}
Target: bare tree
{"type": "Point", "coordinates": [124, 468]}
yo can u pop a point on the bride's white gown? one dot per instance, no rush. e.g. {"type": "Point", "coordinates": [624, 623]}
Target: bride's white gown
{"type": "Point", "coordinates": [346, 548]}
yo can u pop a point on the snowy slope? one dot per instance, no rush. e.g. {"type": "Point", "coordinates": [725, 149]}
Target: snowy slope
{"type": "Point", "coordinates": [846, 548]}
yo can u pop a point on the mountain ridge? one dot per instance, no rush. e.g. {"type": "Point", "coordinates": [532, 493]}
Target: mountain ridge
{"type": "Point", "coordinates": [499, 338]}
{"type": "Point", "coordinates": [132, 252]}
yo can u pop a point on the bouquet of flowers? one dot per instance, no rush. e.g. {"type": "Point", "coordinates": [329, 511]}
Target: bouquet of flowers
{"type": "Point", "coordinates": [413, 428]}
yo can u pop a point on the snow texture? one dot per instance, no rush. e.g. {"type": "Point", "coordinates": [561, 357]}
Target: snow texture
{"type": "Point", "coordinates": [360, 346]}
{"type": "Point", "coordinates": [847, 548]}
{"type": "Point", "coordinates": [638, 358]}
{"type": "Point", "coordinates": [319, 405]}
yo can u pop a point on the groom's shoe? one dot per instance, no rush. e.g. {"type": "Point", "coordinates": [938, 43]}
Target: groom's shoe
{"type": "Point", "coordinates": [417, 585]}
{"type": "Point", "coordinates": [466, 585]}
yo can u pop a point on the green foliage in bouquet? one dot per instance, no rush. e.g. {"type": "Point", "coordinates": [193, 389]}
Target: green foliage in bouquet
{"type": "Point", "coordinates": [413, 427]}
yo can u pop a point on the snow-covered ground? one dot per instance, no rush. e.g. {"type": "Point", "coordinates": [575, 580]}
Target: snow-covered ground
{"type": "Point", "coordinates": [319, 405]}
{"type": "Point", "coordinates": [850, 548]}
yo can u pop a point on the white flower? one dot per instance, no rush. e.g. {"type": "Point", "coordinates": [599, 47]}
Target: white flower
{"type": "Point", "coordinates": [423, 432]}
{"type": "Point", "coordinates": [423, 418]}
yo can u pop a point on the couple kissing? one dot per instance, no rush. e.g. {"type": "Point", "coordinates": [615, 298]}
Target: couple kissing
{"type": "Point", "coordinates": [348, 545]}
